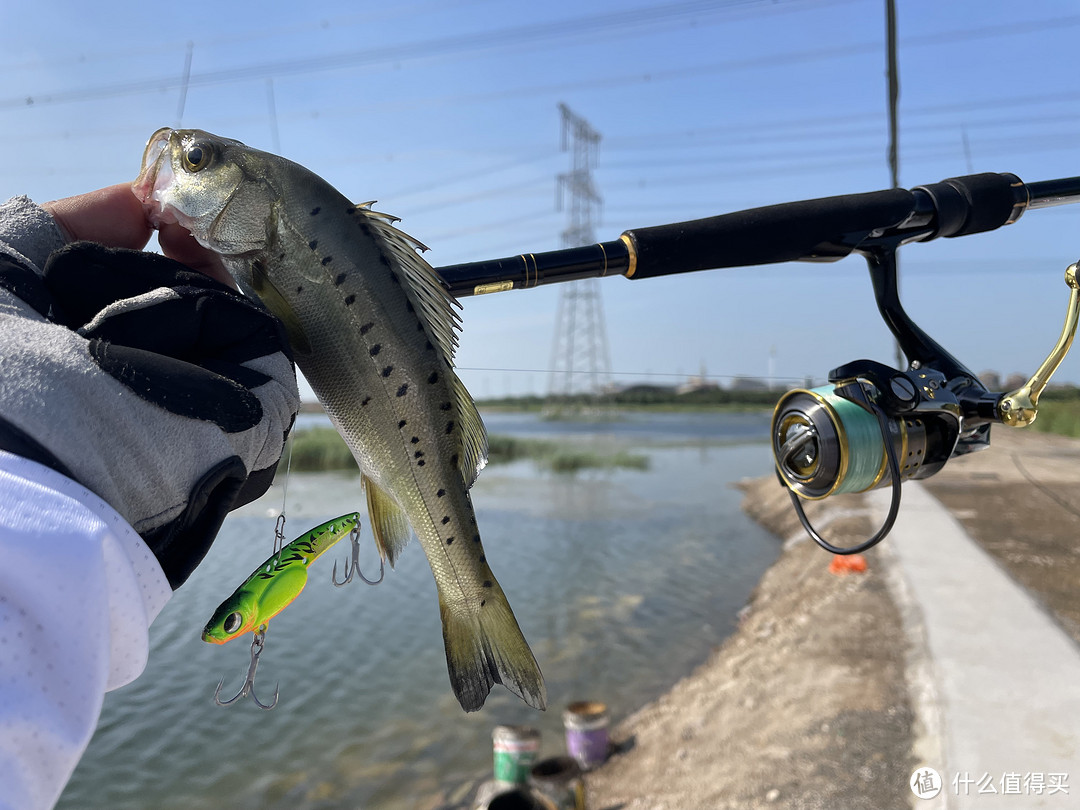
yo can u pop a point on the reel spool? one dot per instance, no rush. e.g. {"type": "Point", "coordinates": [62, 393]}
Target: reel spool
{"type": "Point", "coordinates": [826, 444]}
{"type": "Point", "coordinates": [870, 427]}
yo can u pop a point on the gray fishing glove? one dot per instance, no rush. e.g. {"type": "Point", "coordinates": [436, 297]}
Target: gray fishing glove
{"type": "Point", "coordinates": [162, 391]}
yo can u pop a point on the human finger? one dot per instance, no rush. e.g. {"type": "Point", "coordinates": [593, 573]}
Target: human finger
{"type": "Point", "coordinates": [178, 244]}
{"type": "Point", "coordinates": [111, 216]}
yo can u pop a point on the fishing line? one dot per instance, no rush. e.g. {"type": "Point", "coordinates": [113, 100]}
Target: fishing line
{"type": "Point", "coordinates": [1049, 493]}
{"type": "Point", "coordinates": [279, 527]}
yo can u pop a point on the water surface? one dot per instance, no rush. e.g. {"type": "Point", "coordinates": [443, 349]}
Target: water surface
{"type": "Point", "coordinates": [622, 581]}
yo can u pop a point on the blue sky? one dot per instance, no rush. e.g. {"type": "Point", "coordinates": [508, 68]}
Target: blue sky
{"type": "Point", "coordinates": [447, 113]}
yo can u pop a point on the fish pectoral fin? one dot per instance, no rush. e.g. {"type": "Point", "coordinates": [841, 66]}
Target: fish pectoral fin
{"type": "Point", "coordinates": [486, 647]}
{"type": "Point", "coordinates": [280, 307]}
{"type": "Point", "coordinates": [388, 521]}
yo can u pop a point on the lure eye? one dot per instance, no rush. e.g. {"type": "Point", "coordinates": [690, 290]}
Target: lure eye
{"type": "Point", "coordinates": [198, 156]}
{"type": "Point", "coordinates": [233, 622]}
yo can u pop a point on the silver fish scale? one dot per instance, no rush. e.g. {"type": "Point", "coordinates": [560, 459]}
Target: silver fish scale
{"type": "Point", "coordinates": [360, 308]}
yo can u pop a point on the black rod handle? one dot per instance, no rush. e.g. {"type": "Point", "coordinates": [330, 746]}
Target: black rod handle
{"type": "Point", "coordinates": [824, 229]}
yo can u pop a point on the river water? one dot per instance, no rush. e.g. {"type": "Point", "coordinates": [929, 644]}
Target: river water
{"type": "Point", "coordinates": [622, 582]}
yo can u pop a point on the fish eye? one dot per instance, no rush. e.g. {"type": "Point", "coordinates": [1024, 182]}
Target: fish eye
{"type": "Point", "coordinates": [198, 156]}
{"type": "Point", "coordinates": [233, 622]}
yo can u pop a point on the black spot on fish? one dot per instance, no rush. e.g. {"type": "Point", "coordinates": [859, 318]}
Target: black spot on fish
{"type": "Point", "coordinates": [476, 538]}
{"type": "Point", "coordinates": [352, 209]}
{"type": "Point", "coordinates": [365, 402]}
{"type": "Point", "coordinates": [281, 256]}
{"type": "Point", "coordinates": [339, 280]}
{"type": "Point", "coordinates": [376, 349]}
{"type": "Point", "coordinates": [449, 541]}
{"type": "Point", "coordinates": [420, 463]}
{"type": "Point", "coordinates": [401, 391]}
{"type": "Point", "coordinates": [483, 559]}
{"type": "Point", "coordinates": [415, 440]}
{"type": "Point", "coordinates": [434, 378]}
{"type": "Point", "coordinates": [387, 371]}
{"type": "Point", "coordinates": [326, 260]}
{"type": "Point", "coordinates": [449, 428]}
{"type": "Point", "coordinates": [349, 299]}
{"type": "Point", "coordinates": [366, 327]}
{"type": "Point", "coordinates": [315, 210]}
{"type": "Point", "coordinates": [445, 520]}
{"type": "Point", "coordinates": [402, 424]}
{"type": "Point", "coordinates": [314, 243]}
{"type": "Point", "coordinates": [453, 459]}
{"type": "Point", "coordinates": [441, 493]}
{"type": "Point", "coordinates": [419, 326]}
{"type": "Point", "coordinates": [483, 602]}
{"type": "Point", "coordinates": [409, 306]}
{"type": "Point", "coordinates": [418, 454]}
{"type": "Point", "coordinates": [445, 406]}
{"type": "Point", "coordinates": [428, 346]}
{"type": "Point", "coordinates": [488, 583]}
{"type": "Point", "coordinates": [299, 290]}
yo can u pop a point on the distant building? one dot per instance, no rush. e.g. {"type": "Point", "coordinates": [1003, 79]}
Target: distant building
{"type": "Point", "coordinates": [698, 383]}
{"type": "Point", "coordinates": [1014, 381]}
{"type": "Point", "coordinates": [749, 384]}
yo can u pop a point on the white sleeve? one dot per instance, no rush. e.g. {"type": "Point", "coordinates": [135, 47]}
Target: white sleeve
{"type": "Point", "coordinates": [78, 591]}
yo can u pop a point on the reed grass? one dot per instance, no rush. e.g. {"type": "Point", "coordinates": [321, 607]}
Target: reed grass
{"type": "Point", "coordinates": [323, 450]}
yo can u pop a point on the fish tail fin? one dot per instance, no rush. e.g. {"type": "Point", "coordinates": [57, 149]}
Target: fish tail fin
{"type": "Point", "coordinates": [485, 647]}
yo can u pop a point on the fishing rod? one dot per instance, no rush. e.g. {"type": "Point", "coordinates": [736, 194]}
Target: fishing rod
{"type": "Point", "coordinates": [871, 425]}
{"type": "Point", "coordinates": [825, 229]}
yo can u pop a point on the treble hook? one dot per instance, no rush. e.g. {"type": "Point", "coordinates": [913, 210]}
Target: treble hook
{"type": "Point", "coordinates": [249, 683]}
{"type": "Point", "coordinates": [354, 538]}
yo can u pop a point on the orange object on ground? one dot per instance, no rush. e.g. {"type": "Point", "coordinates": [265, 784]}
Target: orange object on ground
{"type": "Point", "coordinates": [847, 564]}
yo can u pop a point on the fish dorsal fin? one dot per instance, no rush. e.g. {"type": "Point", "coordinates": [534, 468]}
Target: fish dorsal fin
{"type": "Point", "coordinates": [436, 306]}
{"type": "Point", "coordinates": [388, 521]}
{"type": "Point", "coordinates": [474, 447]}
{"type": "Point", "coordinates": [428, 291]}
{"type": "Point", "coordinates": [275, 302]}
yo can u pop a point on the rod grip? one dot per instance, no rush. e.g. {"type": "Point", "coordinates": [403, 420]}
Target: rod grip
{"type": "Point", "coordinates": [824, 229]}
{"type": "Point", "coordinates": [976, 202]}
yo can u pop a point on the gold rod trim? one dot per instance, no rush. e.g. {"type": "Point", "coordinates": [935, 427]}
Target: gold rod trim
{"type": "Point", "coordinates": [632, 266]}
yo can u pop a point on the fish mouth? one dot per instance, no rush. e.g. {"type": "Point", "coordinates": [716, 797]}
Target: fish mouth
{"type": "Point", "coordinates": [155, 178]}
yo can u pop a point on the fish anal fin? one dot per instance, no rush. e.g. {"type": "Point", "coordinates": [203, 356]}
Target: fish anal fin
{"type": "Point", "coordinates": [388, 521]}
{"type": "Point", "coordinates": [277, 303]}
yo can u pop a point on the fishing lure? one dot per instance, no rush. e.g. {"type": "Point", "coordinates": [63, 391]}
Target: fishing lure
{"type": "Point", "coordinates": [272, 587]}
{"type": "Point", "coordinates": [277, 582]}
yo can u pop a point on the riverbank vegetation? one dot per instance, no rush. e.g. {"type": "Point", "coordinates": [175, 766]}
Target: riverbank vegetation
{"type": "Point", "coordinates": [322, 449]}
{"type": "Point", "coordinates": [1059, 412]}
{"type": "Point", "coordinates": [643, 397]}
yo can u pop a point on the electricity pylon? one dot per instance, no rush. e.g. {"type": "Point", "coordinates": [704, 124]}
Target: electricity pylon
{"type": "Point", "coordinates": [580, 362]}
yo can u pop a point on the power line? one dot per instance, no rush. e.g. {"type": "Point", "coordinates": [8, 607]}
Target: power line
{"type": "Point", "coordinates": [611, 23]}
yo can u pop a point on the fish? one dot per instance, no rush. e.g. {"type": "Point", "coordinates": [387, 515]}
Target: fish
{"type": "Point", "coordinates": [373, 329]}
{"type": "Point", "coordinates": [274, 585]}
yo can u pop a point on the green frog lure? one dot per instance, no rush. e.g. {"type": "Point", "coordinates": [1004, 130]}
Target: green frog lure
{"type": "Point", "coordinates": [272, 587]}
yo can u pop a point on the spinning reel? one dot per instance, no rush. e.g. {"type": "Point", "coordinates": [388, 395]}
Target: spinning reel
{"type": "Point", "coordinates": [873, 425]}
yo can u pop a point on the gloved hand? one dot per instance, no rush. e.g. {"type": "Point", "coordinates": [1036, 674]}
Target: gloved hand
{"type": "Point", "coordinates": [159, 389]}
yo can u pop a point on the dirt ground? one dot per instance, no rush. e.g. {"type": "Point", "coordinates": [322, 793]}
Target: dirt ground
{"type": "Point", "coordinates": [806, 706]}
